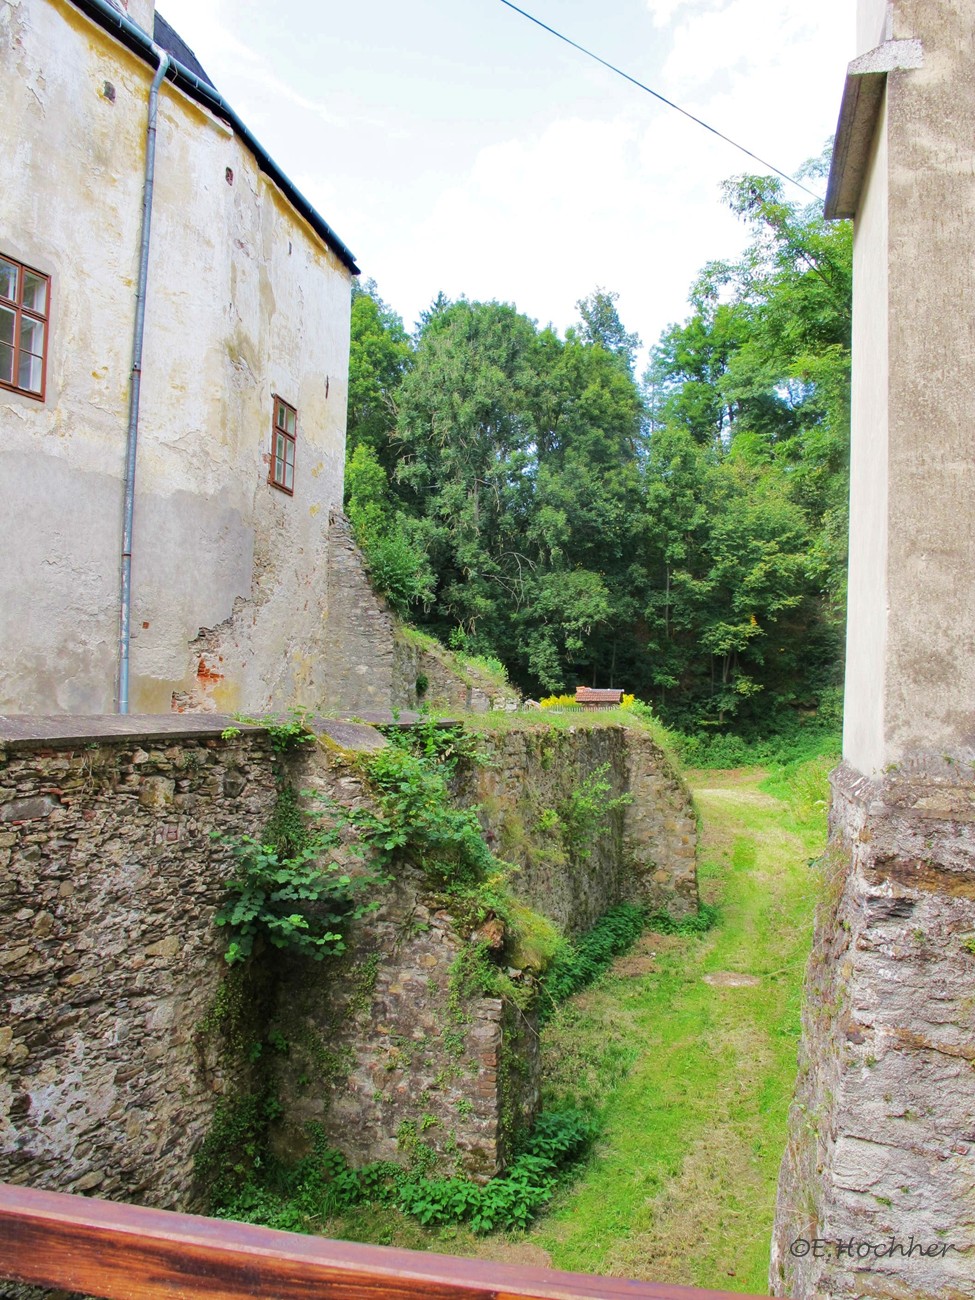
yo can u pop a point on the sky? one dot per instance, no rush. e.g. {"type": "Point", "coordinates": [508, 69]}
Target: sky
{"type": "Point", "coordinates": [454, 146]}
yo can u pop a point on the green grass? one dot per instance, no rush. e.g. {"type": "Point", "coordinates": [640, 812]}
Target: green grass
{"type": "Point", "coordinates": [692, 1081]}
{"type": "Point", "coordinates": [682, 1187]}
{"type": "Point", "coordinates": [497, 721]}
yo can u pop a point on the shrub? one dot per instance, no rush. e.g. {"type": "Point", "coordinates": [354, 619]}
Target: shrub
{"type": "Point", "coordinates": [322, 1184]}
{"type": "Point", "coordinates": [699, 922]}
{"type": "Point", "coordinates": [291, 902]}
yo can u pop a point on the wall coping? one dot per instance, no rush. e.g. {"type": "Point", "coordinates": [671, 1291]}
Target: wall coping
{"type": "Point", "coordinates": [33, 731]}
{"type": "Point", "coordinates": [30, 731]}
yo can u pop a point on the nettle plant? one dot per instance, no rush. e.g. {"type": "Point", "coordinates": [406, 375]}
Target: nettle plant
{"type": "Point", "coordinates": [297, 901]}
{"type": "Point", "coordinates": [287, 890]}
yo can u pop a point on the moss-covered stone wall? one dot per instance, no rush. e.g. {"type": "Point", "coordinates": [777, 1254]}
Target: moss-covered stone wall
{"type": "Point", "coordinates": [534, 795]}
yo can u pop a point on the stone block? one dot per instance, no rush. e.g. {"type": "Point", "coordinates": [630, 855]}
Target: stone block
{"type": "Point", "coordinates": [29, 809]}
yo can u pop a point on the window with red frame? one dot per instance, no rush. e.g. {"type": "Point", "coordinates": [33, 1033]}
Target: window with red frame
{"type": "Point", "coordinates": [25, 302]}
{"type": "Point", "coordinates": [282, 473]}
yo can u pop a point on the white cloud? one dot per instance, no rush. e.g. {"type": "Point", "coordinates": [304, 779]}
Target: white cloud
{"type": "Point", "coordinates": [619, 191]}
{"type": "Point", "coordinates": [232, 63]}
{"type": "Point", "coordinates": [542, 221]}
{"type": "Point", "coordinates": [663, 11]}
{"type": "Point", "coordinates": [757, 39]}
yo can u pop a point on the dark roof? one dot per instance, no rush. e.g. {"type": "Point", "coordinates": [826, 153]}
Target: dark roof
{"type": "Point", "coordinates": [195, 83]}
{"type": "Point", "coordinates": [173, 44]}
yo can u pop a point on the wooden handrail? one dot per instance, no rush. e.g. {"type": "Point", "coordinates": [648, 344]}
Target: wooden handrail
{"type": "Point", "coordinates": [127, 1252]}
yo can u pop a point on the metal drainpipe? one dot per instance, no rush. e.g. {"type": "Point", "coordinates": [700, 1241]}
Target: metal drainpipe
{"type": "Point", "coordinates": [136, 383]}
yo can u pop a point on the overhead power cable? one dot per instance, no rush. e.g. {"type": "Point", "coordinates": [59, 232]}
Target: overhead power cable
{"type": "Point", "coordinates": [663, 99]}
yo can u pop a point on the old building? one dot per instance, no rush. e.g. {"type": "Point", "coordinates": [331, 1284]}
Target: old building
{"type": "Point", "coordinates": [875, 1197]}
{"type": "Point", "coordinates": [244, 360]}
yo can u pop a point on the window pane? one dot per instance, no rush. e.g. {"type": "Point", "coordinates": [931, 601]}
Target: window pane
{"type": "Point", "coordinates": [279, 445]}
{"type": "Point", "coordinates": [35, 292]}
{"type": "Point", "coordinates": [31, 369]}
{"type": "Point", "coordinates": [289, 476]}
{"type": "Point", "coordinates": [32, 335]}
{"type": "Point", "coordinates": [289, 453]}
{"type": "Point", "coordinates": [8, 280]}
{"type": "Point", "coordinates": [289, 421]}
{"type": "Point", "coordinates": [278, 470]}
{"type": "Point", "coordinates": [7, 319]}
{"type": "Point", "coordinates": [6, 363]}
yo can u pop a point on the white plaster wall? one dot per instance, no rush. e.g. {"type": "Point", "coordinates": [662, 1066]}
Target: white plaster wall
{"type": "Point", "coordinates": [140, 11]}
{"type": "Point", "coordinates": [872, 22]}
{"type": "Point", "coordinates": [910, 695]}
{"type": "Point", "coordinates": [866, 651]}
{"type": "Point", "coordinates": [930, 683]}
{"type": "Point", "coordinates": [244, 301]}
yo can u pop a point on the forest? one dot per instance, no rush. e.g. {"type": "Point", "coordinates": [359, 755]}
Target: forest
{"type": "Point", "coordinates": [680, 533]}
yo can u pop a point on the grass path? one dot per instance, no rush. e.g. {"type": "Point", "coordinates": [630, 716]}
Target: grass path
{"type": "Point", "coordinates": [696, 1077]}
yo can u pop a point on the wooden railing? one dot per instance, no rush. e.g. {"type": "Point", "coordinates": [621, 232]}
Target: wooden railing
{"type": "Point", "coordinates": [126, 1252]}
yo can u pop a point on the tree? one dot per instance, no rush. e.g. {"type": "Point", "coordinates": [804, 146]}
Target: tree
{"type": "Point", "coordinates": [379, 357]}
{"type": "Point", "coordinates": [601, 326]}
{"type": "Point", "coordinates": [390, 541]}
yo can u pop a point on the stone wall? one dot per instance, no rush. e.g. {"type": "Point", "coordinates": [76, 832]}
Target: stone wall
{"type": "Point", "coordinates": [381, 1049]}
{"type": "Point", "coordinates": [109, 881]}
{"type": "Point", "coordinates": [431, 675]}
{"type": "Point", "coordinates": [379, 1055]}
{"type": "Point", "coordinates": [114, 1053]}
{"type": "Point", "coordinates": [643, 851]}
{"type": "Point", "coordinates": [116, 1043]}
{"type": "Point", "coordinates": [358, 631]}
{"type": "Point", "coordinates": [881, 1143]}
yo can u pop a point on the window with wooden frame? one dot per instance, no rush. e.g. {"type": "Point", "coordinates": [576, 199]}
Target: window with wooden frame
{"type": "Point", "coordinates": [25, 305]}
{"type": "Point", "coordinates": [285, 428]}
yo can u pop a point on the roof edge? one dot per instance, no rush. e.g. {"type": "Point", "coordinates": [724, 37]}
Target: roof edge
{"type": "Point", "coordinates": [135, 39]}
{"type": "Point", "coordinates": [863, 94]}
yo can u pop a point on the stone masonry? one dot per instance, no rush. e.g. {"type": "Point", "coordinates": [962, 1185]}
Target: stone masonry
{"type": "Point", "coordinates": [109, 881]}
{"type": "Point", "coordinates": [448, 683]}
{"type": "Point", "coordinates": [644, 851]}
{"type": "Point", "coordinates": [114, 1056]}
{"type": "Point", "coordinates": [358, 632]}
{"type": "Point", "coordinates": [881, 1148]}
{"type": "Point", "coordinates": [380, 1050]}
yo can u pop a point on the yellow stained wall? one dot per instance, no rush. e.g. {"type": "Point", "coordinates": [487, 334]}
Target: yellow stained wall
{"type": "Point", "coordinates": [244, 302]}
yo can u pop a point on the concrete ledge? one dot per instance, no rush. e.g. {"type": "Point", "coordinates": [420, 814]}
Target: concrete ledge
{"type": "Point", "coordinates": [28, 731]}
{"type": "Point", "coordinates": [863, 94]}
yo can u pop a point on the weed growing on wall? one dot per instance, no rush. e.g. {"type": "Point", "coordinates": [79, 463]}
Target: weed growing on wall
{"type": "Point", "coordinates": [295, 902]}
{"type": "Point", "coordinates": [415, 820]}
{"type": "Point", "coordinates": [584, 812]}
{"type": "Point", "coordinates": [699, 922]}
{"type": "Point", "coordinates": [303, 1197]}
{"type": "Point", "coordinates": [577, 963]}
{"type": "Point", "coordinates": [286, 891]}
{"type": "Point", "coordinates": [287, 827]}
